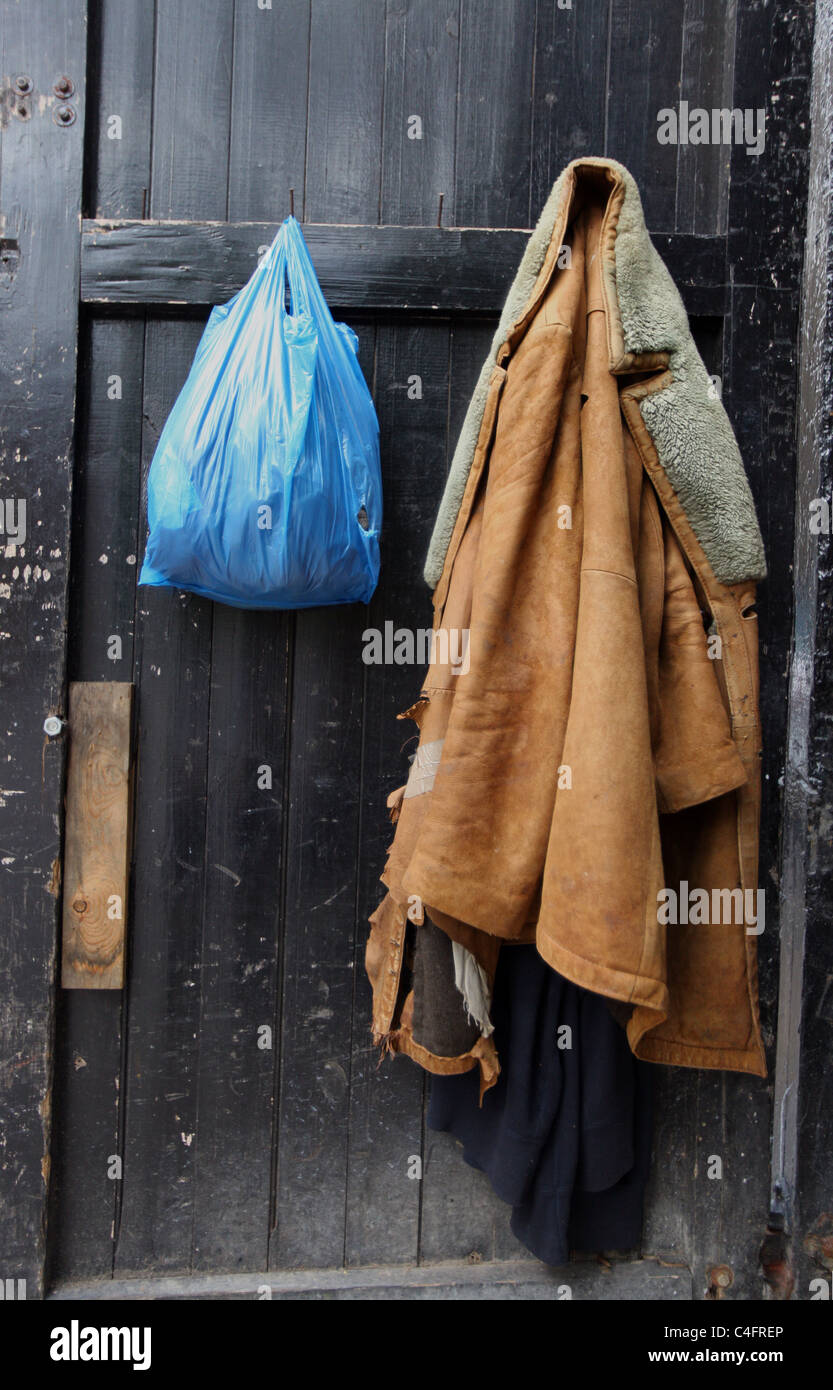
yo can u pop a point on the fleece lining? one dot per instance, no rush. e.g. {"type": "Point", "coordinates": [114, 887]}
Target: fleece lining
{"type": "Point", "coordinates": [685, 419]}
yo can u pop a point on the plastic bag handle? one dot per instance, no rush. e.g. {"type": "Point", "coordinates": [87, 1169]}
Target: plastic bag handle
{"type": "Point", "coordinates": [303, 284]}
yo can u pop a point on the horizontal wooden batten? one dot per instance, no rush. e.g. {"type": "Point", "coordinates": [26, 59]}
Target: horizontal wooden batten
{"type": "Point", "coordinates": [392, 269]}
{"type": "Point", "coordinates": [499, 1280]}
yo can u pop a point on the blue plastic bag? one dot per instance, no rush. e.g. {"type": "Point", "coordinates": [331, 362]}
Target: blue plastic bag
{"type": "Point", "coordinates": [265, 489]}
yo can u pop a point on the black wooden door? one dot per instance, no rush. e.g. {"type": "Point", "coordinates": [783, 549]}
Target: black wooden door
{"type": "Point", "coordinates": [225, 1115]}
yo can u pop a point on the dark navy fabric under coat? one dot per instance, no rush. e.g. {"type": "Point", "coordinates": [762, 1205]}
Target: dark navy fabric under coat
{"type": "Point", "coordinates": [565, 1133]}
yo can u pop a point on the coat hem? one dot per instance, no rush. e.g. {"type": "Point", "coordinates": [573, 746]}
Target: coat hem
{"type": "Point", "coordinates": [602, 979]}
{"type": "Point", "coordinates": [679, 1054]}
{"type": "Point", "coordinates": [483, 1055]}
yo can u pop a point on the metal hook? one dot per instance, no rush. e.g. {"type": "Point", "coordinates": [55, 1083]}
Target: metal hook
{"type": "Point", "coordinates": [292, 202]}
{"type": "Point", "coordinates": [440, 211]}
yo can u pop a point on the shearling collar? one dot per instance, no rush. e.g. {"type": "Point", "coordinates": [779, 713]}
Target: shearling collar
{"type": "Point", "coordinates": [647, 329]}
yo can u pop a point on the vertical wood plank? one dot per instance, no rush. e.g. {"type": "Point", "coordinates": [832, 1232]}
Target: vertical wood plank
{"type": "Point", "coordinates": [97, 831]}
{"type": "Point", "coordinates": [772, 69]}
{"type": "Point", "coordinates": [644, 78]}
{"type": "Point", "coordinates": [116, 174]}
{"type": "Point", "coordinates": [462, 1217]}
{"type": "Point", "coordinates": [189, 178]}
{"type": "Point", "coordinates": [759, 393]}
{"type": "Point", "coordinates": [707, 81]}
{"type": "Point", "coordinates": [344, 119]}
{"type": "Point", "coordinates": [386, 1100]}
{"type": "Point", "coordinates": [346, 89]}
{"type": "Point", "coordinates": [239, 1027]}
{"type": "Point", "coordinates": [38, 331]}
{"type": "Point", "coordinates": [421, 60]}
{"type": "Point", "coordinates": [105, 540]}
{"type": "Point", "coordinates": [570, 95]}
{"type": "Point", "coordinates": [101, 610]}
{"type": "Point", "coordinates": [318, 947]}
{"type": "Point", "coordinates": [493, 164]}
{"type": "Point", "coordinates": [804, 1119]}
{"type": "Point", "coordinates": [172, 677]}
{"type": "Point", "coordinates": [412, 364]}
{"type": "Point", "coordinates": [767, 215]}
{"type": "Point", "coordinates": [318, 965]}
{"type": "Point", "coordinates": [670, 1193]}
{"type": "Point", "coordinates": [270, 76]}
{"type": "Point", "coordinates": [470, 343]}
{"type": "Point", "coordinates": [191, 108]}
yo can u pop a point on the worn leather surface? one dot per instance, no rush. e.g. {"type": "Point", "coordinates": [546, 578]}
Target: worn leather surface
{"type": "Point", "coordinates": [595, 753]}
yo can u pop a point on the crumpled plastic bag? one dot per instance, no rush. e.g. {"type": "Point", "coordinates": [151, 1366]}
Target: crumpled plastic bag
{"type": "Point", "coordinates": [265, 489]}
